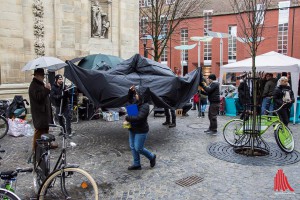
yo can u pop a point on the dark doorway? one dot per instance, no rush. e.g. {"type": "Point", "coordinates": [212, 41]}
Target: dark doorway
{"type": "Point", "coordinates": [185, 70]}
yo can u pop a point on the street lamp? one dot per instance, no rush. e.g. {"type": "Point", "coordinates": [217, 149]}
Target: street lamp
{"type": "Point", "coordinates": [199, 40]}
{"type": "Point", "coordinates": [144, 39]}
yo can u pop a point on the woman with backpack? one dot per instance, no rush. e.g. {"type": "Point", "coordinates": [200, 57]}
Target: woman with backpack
{"type": "Point", "coordinates": [283, 94]}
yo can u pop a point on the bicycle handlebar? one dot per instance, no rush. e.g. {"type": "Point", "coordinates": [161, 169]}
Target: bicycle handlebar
{"type": "Point", "coordinates": [15, 173]}
{"type": "Point", "coordinates": [268, 111]}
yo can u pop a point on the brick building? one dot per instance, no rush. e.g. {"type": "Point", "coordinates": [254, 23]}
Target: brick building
{"type": "Point", "coordinates": [281, 34]}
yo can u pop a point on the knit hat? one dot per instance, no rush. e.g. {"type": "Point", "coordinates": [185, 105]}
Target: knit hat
{"type": "Point", "coordinates": [58, 76]}
{"type": "Point", "coordinates": [212, 77]}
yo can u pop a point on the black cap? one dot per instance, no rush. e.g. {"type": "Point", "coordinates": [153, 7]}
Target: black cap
{"type": "Point", "coordinates": [39, 71]}
{"type": "Point", "coordinates": [58, 76]}
{"type": "Point", "coordinates": [212, 77]}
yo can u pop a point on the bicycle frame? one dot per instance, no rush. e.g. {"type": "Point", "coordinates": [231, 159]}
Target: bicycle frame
{"type": "Point", "coordinates": [268, 121]}
{"type": "Point", "coordinates": [61, 161]}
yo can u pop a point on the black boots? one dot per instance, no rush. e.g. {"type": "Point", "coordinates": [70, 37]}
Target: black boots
{"type": "Point", "coordinates": [134, 167]}
{"type": "Point", "coordinates": [203, 114]}
{"type": "Point", "coordinates": [172, 125]}
{"type": "Point", "coordinates": [166, 123]}
{"type": "Point", "coordinates": [153, 161]}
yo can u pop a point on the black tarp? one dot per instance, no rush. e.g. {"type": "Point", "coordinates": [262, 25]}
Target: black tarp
{"type": "Point", "coordinates": [110, 88]}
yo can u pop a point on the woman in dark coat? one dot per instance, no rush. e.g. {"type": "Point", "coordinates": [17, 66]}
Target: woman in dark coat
{"type": "Point", "coordinates": [283, 94]}
{"type": "Point", "coordinates": [139, 127]}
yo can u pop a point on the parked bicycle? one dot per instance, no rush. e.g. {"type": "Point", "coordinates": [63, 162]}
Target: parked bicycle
{"type": "Point", "coordinates": [9, 185]}
{"type": "Point", "coordinates": [3, 121]}
{"type": "Point", "coordinates": [65, 181]}
{"type": "Point", "coordinates": [234, 132]}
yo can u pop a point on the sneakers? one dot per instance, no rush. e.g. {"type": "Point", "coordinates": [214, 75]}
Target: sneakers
{"type": "Point", "coordinates": [166, 123]}
{"type": "Point", "coordinates": [172, 125]}
{"type": "Point", "coordinates": [213, 132]}
{"type": "Point", "coordinates": [153, 161]}
{"type": "Point", "coordinates": [193, 109]}
{"type": "Point", "coordinates": [134, 167]}
{"type": "Point", "coordinates": [185, 114]}
{"type": "Point", "coordinates": [71, 134]}
{"type": "Point", "coordinates": [207, 131]}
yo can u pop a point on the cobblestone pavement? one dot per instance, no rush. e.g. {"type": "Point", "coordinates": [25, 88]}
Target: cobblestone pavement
{"type": "Point", "coordinates": [102, 150]}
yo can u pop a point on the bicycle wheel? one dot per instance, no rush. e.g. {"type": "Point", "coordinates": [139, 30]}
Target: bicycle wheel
{"type": "Point", "coordinates": [6, 194]}
{"type": "Point", "coordinates": [284, 138]}
{"type": "Point", "coordinates": [233, 133]}
{"type": "Point", "coordinates": [69, 183]}
{"type": "Point", "coordinates": [37, 180]}
{"type": "Point", "coordinates": [3, 126]}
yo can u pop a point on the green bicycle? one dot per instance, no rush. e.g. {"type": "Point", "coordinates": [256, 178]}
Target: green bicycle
{"type": "Point", "coordinates": [233, 132]}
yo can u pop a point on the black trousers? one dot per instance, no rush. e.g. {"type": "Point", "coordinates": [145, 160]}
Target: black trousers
{"type": "Point", "coordinates": [167, 113]}
{"type": "Point", "coordinates": [212, 116]}
{"type": "Point", "coordinates": [284, 115]}
{"type": "Point", "coordinates": [186, 108]}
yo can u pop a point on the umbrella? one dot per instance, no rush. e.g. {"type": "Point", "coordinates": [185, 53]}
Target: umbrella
{"type": "Point", "coordinates": [51, 63]}
{"type": "Point", "coordinates": [99, 62]}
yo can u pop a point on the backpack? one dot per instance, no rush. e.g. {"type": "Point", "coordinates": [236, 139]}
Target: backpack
{"type": "Point", "coordinates": [286, 96]}
{"type": "Point", "coordinates": [17, 107]}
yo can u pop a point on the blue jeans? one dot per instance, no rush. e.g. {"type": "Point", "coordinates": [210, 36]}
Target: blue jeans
{"type": "Point", "coordinates": [203, 107]}
{"type": "Point", "coordinates": [136, 143]}
{"type": "Point", "coordinates": [267, 104]}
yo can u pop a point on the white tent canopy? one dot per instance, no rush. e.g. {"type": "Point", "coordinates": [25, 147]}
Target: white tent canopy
{"type": "Point", "coordinates": [268, 62]}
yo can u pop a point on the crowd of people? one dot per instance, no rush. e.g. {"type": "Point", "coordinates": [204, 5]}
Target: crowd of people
{"type": "Point", "coordinates": [275, 94]}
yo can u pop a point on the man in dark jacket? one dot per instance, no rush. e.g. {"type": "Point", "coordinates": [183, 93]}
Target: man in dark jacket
{"type": "Point", "coordinates": [56, 97]}
{"type": "Point", "coordinates": [40, 105]}
{"type": "Point", "coordinates": [213, 92]}
{"type": "Point", "coordinates": [267, 103]}
{"type": "Point", "coordinates": [139, 127]}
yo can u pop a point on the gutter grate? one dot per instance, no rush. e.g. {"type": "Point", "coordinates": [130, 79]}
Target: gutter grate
{"type": "Point", "coordinates": [189, 181]}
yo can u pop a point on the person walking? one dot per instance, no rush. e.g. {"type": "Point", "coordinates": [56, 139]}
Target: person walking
{"type": "Point", "coordinates": [213, 92]}
{"type": "Point", "coordinates": [267, 103]}
{"type": "Point", "coordinates": [57, 94]}
{"type": "Point", "coordinates": [139, 127]}
{"type": "Point", "coordinates": [40, 106]}
{"type": "Point", "coordinates": [283, 94]}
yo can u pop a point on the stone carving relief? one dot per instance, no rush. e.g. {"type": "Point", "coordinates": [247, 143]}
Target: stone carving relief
{"type": "Point", "coordinates": [100, 23]}
{"type": "Point", "coordinates": [38, 27]}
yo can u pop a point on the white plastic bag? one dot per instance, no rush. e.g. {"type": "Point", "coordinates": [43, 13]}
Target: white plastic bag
{"type": "Point", "coordinates": [16, 127]}
{"type": "Point", "coordinates": [28, 130]}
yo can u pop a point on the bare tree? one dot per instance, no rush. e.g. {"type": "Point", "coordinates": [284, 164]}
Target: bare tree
{"type": "Point", "coordinates": [251, 17]}
{"type": "Point", "coordinates": [160, 18]}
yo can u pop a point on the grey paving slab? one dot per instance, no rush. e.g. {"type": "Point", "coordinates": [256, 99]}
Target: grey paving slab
{"type": "Point", "coordinates": [102, 150]}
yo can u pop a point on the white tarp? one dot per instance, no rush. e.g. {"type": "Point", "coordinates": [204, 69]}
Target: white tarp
{"type": "Point", "coordinates": [268, 62]}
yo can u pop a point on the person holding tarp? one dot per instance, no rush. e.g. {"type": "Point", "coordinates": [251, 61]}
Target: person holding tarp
{"type": "Point", "coordinates": [56, 97]}
{"type": "Point", "coordinates": [139, 127]}
{"type": "Point", "coordinates": [213, 92]}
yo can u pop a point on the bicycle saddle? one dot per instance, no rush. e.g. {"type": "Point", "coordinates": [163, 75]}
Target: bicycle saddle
{"type": "Point", "coordinates": [8, 175]}
{"type": "Point", "coordinates": [48, 137]}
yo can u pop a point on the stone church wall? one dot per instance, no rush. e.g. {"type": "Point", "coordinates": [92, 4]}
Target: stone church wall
{"type": "Point", "coordinates": [65, 31]}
